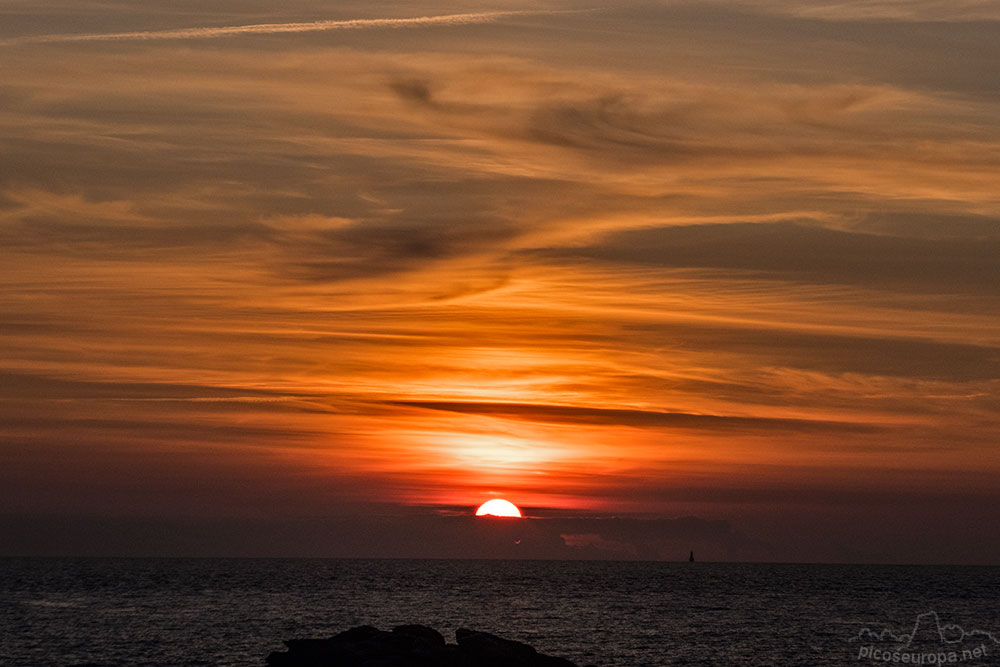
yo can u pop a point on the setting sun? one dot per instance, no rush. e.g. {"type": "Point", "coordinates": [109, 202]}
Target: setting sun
{"type": "Point", "coordinates": [498, 507]}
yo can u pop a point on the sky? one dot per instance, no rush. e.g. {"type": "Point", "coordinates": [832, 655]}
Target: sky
{"type": "Point", "coordinates": [314, 278]}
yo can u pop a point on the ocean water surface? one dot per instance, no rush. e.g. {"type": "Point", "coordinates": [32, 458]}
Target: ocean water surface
{"type": "Point", "coordinates": [177, 612]}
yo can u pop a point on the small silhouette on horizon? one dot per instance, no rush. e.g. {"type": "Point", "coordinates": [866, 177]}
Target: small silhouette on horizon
{"type": "Point", "coordinates": [691, 557]}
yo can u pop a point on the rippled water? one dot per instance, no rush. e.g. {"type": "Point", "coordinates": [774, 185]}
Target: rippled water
{"type": "Point", "coordinates": [235, 611]}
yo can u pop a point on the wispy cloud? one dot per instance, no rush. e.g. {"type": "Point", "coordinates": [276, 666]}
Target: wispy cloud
{"type": "Point", "coordinates": [569, 414]}
{"type": "Point", "coordinates": [274, 28]}
{"type": "Point", "coordinates": [659, 259]}
{"type": "Point", "coordinates": [894, 10]}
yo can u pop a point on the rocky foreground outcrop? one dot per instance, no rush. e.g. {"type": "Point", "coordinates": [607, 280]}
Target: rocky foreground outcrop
{"type": "Point", "coordinates": [411, 646]}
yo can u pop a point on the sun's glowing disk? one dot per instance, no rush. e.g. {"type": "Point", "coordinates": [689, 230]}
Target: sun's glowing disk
{"type": "Point", "coordinates": [498, 507]}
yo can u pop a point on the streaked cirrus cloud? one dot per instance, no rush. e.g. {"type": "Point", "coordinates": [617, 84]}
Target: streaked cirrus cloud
{"type": "Point", "coordinates": [273, 28]}
{"type": "Point", "coordinates": [655, 258]}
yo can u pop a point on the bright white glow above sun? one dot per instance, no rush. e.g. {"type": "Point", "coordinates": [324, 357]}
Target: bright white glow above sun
{"type": "Point", "coordinates": [498, 507]}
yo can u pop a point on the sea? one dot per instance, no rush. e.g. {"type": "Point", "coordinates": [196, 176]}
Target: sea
{"type": "Point", "coordinates": [199, 612]}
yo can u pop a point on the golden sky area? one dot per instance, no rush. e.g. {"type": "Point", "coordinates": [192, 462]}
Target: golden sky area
{"type": "Point", "coordinates": [735, 261]}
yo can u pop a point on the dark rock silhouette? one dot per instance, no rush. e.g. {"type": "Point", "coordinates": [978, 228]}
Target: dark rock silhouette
{"type": "Point", "coordinates": [411, 646]}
